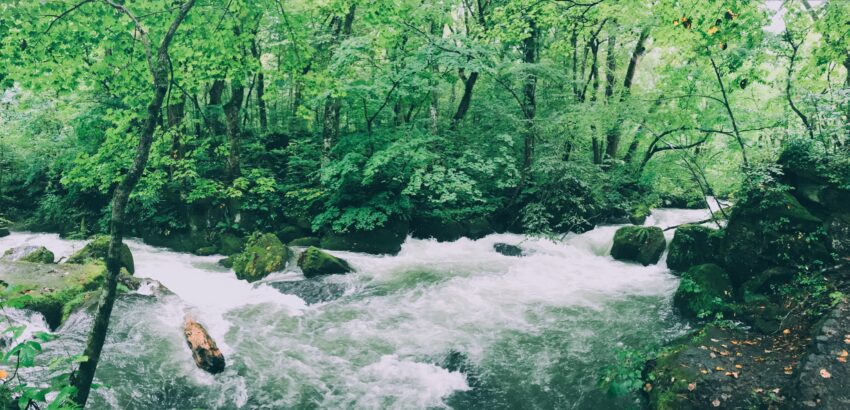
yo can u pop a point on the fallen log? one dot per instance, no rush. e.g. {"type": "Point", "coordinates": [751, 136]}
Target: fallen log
{"type": "Point", "coordinates": [204, 350]}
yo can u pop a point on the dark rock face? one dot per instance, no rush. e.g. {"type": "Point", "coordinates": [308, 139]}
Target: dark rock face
{"type": "Point", "coordinates": [205, 352]}
{"type": "Point", "coordinates": [34, 254]}
{"type": "Point", "coordinates": [703, 291]}
{"type": "Point", "coordinates": [384, 240]}
{"type": "Point", "coordinates": [639, 244]}
{"type": "Point", "coordinates": [264, 254]}
{"type": "Point", "coordinates": [762, 236]}
{"type": "Point", "coordinates": [306, 241]}
{"type": "Point", "coordinates": [290, 232]}
{"type": "Point", "coordinates": [823, 374]}
{"type": "Point", "coordinates": [230, 244]}
{"type": "Point", "coordinates": [507, 249]}
{"type": "Point", "coordinates": [311, 290]}
{"type": "Point", "coordinates": [693, 245]}
{"type": "Point", "coordinates": [314, 262]}
{"type": "Point", "coordinates": [97, 249]}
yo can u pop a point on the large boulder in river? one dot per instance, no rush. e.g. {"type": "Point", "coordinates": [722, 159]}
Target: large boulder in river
{"type": "Point", "coordinates": [314, 262]}
{"type": "Point", "coordinates": [642, 244]}
{"type": "Point", "coordinates": [263, 254]}
{"type": "Point", "coordinates": [97, 249]}
{"type": "Point", "coordinates": [383, 240]}
{"type": "Point", "coordinates": [772, 229]}
{"type": "Point", "coordinates": [34, 254]}
{"type": "Point", "coordinates": [704, 291]}
{"type": "Point", "coordinates": [205, 352]}
{"type": "Point", "coordinates": [693, 245]}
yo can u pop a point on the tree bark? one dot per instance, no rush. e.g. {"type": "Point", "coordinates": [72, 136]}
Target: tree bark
{"type": "Point", "coordinates": [530, 56]}
{"type": "Point", "coordinates": [158, 64]}
{"type": "Point", "coordinates": [466, 98]}
{"type": "Point", "coordinates": [214, 107]}
{"type": "Point", "coordinates": [330, 120]}
{"type": "Point", "coordinates": [231, 114]}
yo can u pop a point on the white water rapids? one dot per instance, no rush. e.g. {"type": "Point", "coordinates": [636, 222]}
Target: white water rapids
{"type": "Point", "coordinates": [531, 332]}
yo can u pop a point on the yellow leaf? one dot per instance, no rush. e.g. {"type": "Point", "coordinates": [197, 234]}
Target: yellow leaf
{"type": "Point", "coordinates": [712, 30]}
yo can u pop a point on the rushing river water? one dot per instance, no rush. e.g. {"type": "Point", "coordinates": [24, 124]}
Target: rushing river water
{"type": "Point", "coordinates": [440, 325]}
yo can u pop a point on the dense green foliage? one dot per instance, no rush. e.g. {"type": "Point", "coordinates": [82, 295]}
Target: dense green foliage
{"type": "Point", "coordinates": [542, 116]}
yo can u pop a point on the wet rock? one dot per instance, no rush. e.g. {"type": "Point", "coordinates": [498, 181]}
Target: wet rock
{"type": "Point", "coordinates": [638, 215]}
{"type": "Point", "coordinates": [180, 241]}
{"type": "Point", "coordinates": [693, 245]}
{"type": "Point", "coordinates": [442, 230]}
{"type": "Point", "coordinates": [263, 254]}
{"type": "Point", "coordinates": [55, 291]}
{"type": "Point", "coordinates": [230, 244]}
{"type": "Point", "coordinates": [290, 232]}
{"type": "Point", "coordinates": [314, 262]}
{"type": "Point", "coordinates": [97, 249]}
{"type": "Point", "coordinates": [703, 291]}
{"type": "Point", "coordinates": [767, 232]}
{"type": "Point", "coordinates": [206, 251]}
{"type": "Point", "coordinates": [205, 352]}
{"type": "Point", "coordinates": [226, 262]}
{"type": "Point", "coordinates": [639, 244]}
{"type": "Point", "coordinates": [312, 291]}
{"type": "Point", "coordinates": [507, 249]}
{"type": "Point", "coordinates": [34, 254]}
{"type": "Point", "coordinates": [383, 240]}
{"type": "Point", "coordinates": [823, 375]}
{"type": "Point", "coordinates": [306, 241]}
{"type": "Point", "coordinates": [4, 231]}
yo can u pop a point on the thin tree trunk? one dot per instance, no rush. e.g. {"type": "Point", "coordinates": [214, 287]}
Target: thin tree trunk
{"type": "Point", "coordinates": [231, 113]}
{"type": "Point", "coordinates": [728, 107]}
{"type": "Point", "coordinates": [465, 99]}
{"type": "Point", "coordinates": [83, 377]}
{"type": "Point", "coordinates": [612, 135]}
{"type": "Point", "coordinates": [529, 94]}
{"type": "Point", "coordinates": [214, 107]}
{"type": "Point", "coordinates": [330, 121]}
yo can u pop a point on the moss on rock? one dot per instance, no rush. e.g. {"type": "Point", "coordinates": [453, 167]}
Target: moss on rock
{"type": "Point", "coordinates": [264, 254]}
{"type": "Point", "coordinates": [639, 244]}
{"type": "Point", "coordinates": [52, 290]}
{"type": "Point", "coordinates": [306, 241]}
{"type": "Point", "coordinates": [693, 245]}
{"type": "Point", "coordinates": [313, 262]}
{"type": "Point", "coordinates": [384, 240]}
{"type": "Point", "coordinates": [33, 254]}
{"type": "Point", "coordinates": [704, 291]}
{"type": "Point", "coordinates": [97, 249]}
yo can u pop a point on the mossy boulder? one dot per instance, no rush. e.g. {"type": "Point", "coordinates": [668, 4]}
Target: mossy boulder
{"type": "Point", "coordinates": [704, 291]}
{"type": "Point", "coordinates": [4, 231]}
{"type": "Point", "coordinates": [290, 232]}
{"type": "Point", "coordinates": [775, 230]}
{"type": "Point", "coordinates": [443, 230]}
{"type": "Point", "coordinates": [226, 262]}
{"type": "Point", "coordinates": [180, 241]}
{"type": "Point", "coordinates": [230, 244]}
{"type": "Point", "coordinates": [314, 262]}
{"type": "Point", "coordinates": [638, 215]}
{"type": "Point", "coordinates": [97, 249]}
{"type": "Point", "coordinates": [507, 249]}
{"type": "Point", "coordinates": [206, 251]}
{"type": "Point", "coordinates": [52, 290]}
{"type": "Point", "coordinates": [383, 240]}
{"type": "Point", "coordinates": [306, 241]}
{"type": "Point", "coordinates": [693, 245]}
{"type": "Point", "coordinates": [34, 254]}
{"type": "Point", "coordinates": [639, 244]}
{"type": "Point", "coordinates": [263, 254]}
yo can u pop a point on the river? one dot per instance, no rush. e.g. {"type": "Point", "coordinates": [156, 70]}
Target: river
{"type": "Point", "coordinates": [440, 325]}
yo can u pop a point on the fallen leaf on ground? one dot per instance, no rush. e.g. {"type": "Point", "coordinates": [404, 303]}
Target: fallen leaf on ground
{"type": "Point", "coordinates": [733, 375]}
{"type": "Point", "coordinates": [719, 369]}
{"type": "Point", "coordinates": [786, 331]}
{"type": "Point", "coordinates": [692, 386]}
{"type": "Point", "coordinates": [825, 374]}
{"type": "Point", "coordinates": [789, 370]}
{"type": "Point", "coordinates": [647, 387]}
{"type": "Point", "coordinates": [715, 403]}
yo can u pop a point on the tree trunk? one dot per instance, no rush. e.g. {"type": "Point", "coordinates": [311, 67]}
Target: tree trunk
{"type": "Point", "coordinates": [231, 113]}
{"type": "Point", "coordinates": [214, 107]}
{"type": "Point", "coordinates": [530, 56]}
{"type": "Point", "coordinates": [612, 135]}
{"type": "Point", "coordinates": [159, 67]}
{"type": "Point", "coordinates": [330, 120]}
{"type": "Point", "coordinates": [465, 99]}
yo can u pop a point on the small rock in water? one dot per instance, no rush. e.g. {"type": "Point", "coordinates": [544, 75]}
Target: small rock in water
{"type": "Point", "coordinates": [314, 262]}
{"type": "Point", "coordinates": [508, 250]}
{"type": "Point", "coordinates": [204, 350]}
{"type": "Point", "coordinates": [311, 290]}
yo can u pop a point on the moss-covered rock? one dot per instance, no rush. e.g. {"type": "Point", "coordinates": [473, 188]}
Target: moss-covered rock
{"type": "Point", "coordinates": [206, 251]}
{"type": "Point", "coordinates": [314, 262]}
{"type": "Point", "coordinates": [180, 241]}
{"type": "Point", "coordinates": [693, 245]}
{"type": "Point", "coordinates": [384, 240]}
{"type": "Point", "coordinates": [442, 230]}
{"type": "Point", "coordinates": [264, 254]}
{"type": "Point", "coordinates": [230, 244]}
{"type": "Point", "coordinates": [772, 231]}
{"type": "Point", "coordinates": [306, 241]}
{"type": "Point", "coordinates": [97, 249]}
{"type": "Point", "coordinates": [34, 254]}
{"type": "Point", "coordinates": [639, 244]}
{"type": "Point", "coordinates": [226, 262]}
{"type": "Point", "coordinates": [52, 290]}
{"type": "Point", "coordinates": [704, 291]}
{"type": "Point", "coordinates": [4, 231]}
{"type": "Point", "coordinates": [290, 232]}
{"type": "Point", "coordinates": [638, 215]}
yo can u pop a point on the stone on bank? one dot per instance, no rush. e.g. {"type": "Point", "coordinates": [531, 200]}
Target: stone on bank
{"type": "Point", "coordinates": [642, 244]}
{"type": "Point", "coordinates": [263, 254]}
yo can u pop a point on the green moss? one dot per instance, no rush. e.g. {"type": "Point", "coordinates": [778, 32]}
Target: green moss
{"type": "Point", "coordinates": [693, 245]}
{"type": "Point", "coordinates": [264, 254]}
{"type": "Point", "coordinates": [306, 241]}
{"type": "Point", "coordinates": [97, 249]}
{"type": "Point", "coordinates": [638, 215]}
{"type": "Point", "coordinates": [313, 262]}
{"type": "Point", "coordinates": [50, 290]}
{"type": "Point", "coordinates": [41, 255]}
{"type": "Point", "coordinates": [639, 244]}
{"type": "Point", "coordinates": [704, 290]}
